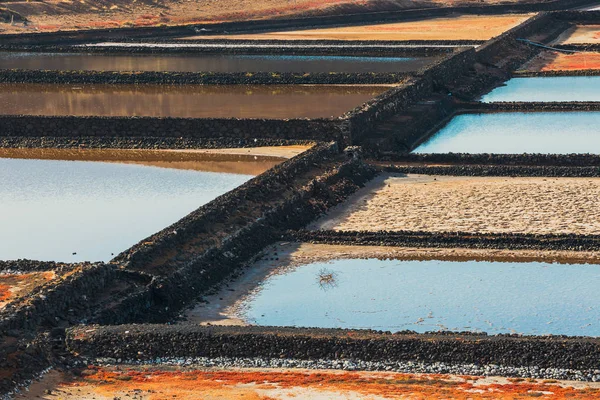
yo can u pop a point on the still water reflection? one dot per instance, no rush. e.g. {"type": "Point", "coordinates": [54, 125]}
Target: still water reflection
{"type": "Point", "coordinates": [494, 297]}
{"type": "Point", "coordinates": [212, 63]}
{"type": "Point", "coordinates": [547, 89]}
{"type": "Point", "coordinates": [193, 101]}
{"type": "Point", "coordinates": [516, 133]}
{"type": "Point", "coordinates": [88, 211]}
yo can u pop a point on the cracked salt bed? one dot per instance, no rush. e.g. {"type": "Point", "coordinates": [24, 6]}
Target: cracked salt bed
{"type": "Point", "coordinates": [73, 211]}
{"type": "Point", "coordinates": [518, 133]}
{"type": "Point", "coordinates": [531, 298]}
{"type": "Point", "coordinates": [547, 89]}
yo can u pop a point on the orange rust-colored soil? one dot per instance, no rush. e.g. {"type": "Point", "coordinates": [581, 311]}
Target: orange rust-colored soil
{"type": "Point", "coordinates": [18, 285]}
{"type": "Point", "coordinates": [554, 61]}
{"type": "Point", "coordinates": [5, 292]}
{"type": "Point", "coordinates": [52, 15]}
{"type": "Point", "coordinates": [571, 62]}
{"type": "Point", "coordinates": [156, 384]}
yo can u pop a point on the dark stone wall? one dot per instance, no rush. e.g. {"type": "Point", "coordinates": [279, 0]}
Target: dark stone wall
{"type": "Point", "coordinates": [198, 78]}
{"type": "Point", "coordinates": [578, 72]}
{"type": "Point", "coordinates": [148, 342]}
{"type": "Point", "coordinates": [496, 170]}
{"type": "Point", "coordinates": [70, 126]}
{"type": "Point", "coordinates": [520, 106]}
{"type": "Point", "coordinates": [241, 236]}
{"type": "Point", "coordinates": [54, 300]}
{"type": "Point", "coordinates": [260, 188]}
{"type": "Point", "coordinates": [465, 159]}
{"type": "Point", "coordinates": [578, 16]}
{"type": "Point", "coordinates": [495, 46]}
{"type": "Point", "coordinates": [142, 142]}
{"type": "Point", "coordinates": [294, 47]}
{"type": "Point", "coordinates": [309, 202]}
{"type": "Point", "coordinates": [363, 119]}
{"type": "Point", "coordinates": [450, 239]}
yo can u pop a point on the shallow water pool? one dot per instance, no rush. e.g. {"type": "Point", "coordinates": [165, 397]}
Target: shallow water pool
{"type": "Point", "coordinates": [494, 297]}
{"type": "Point", "coordinates": [547, 89]}
{"type": "Point", "coordinates": [74, 211]}
{"type": "Point", "coordinates": [185, 101]}
{"type": "Point", "coordinates": [224, 63]}
{"type": "Point", "coordinates": [517, 133]}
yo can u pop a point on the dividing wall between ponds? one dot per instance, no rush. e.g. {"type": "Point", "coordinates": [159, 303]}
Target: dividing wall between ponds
{"type": "Point", "coordinates": [146, 343]}
{"type": "Point", "coordinates": [202, 78]}
{"type": "Point", "coordinates": [514, 241]}
{"type": "Point", "coordinates": [148, 127]}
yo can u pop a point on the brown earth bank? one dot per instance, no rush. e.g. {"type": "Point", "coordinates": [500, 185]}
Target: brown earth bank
{"type": "Point", "coordinates": [461, 27]}
{"type": "Point", "coordinates": [470, 204]}
{"type": "Point", "coordinates": [248, 160]}
{"type": "Point", "coordinates": [154, 383]}
{"type": "Point", "coordinates": [52, 15]}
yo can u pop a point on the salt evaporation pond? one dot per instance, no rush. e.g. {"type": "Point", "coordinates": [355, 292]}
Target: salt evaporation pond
{"type": "Point", "coordinates": [185, 101]}
{"type": "Point", "coordinates": [210, 62]}
{"type": "Point", "coordinates": [517, 133]}
{"type": "Point", "coordinates": [392, 295]}
{"type": "Point", "coordinates": [547, 89]}
{"type": "Point", "coordinates": [51, 209]}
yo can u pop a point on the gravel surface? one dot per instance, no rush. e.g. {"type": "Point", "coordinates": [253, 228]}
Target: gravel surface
{"type": "Point", "coordinates": [349, 365]}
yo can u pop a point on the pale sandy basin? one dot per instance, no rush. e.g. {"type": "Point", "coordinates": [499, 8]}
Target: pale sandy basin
{"type": "Point", "coordinates": [580, 34]}
{"type": "Point", "coordinates": [395, 202]}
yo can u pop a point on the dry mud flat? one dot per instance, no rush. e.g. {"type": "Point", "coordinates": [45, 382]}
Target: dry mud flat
{"type": "Point", "coordinates": [155, 383]}
{"type": "Point", "coordinates": [579, 34]}
{"type": "Point", "coordinates": [553, 61]}
{"type": "Point", "coordinates": [464, 27]}
{"type": "Point", "coordinates": [470, 204]}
